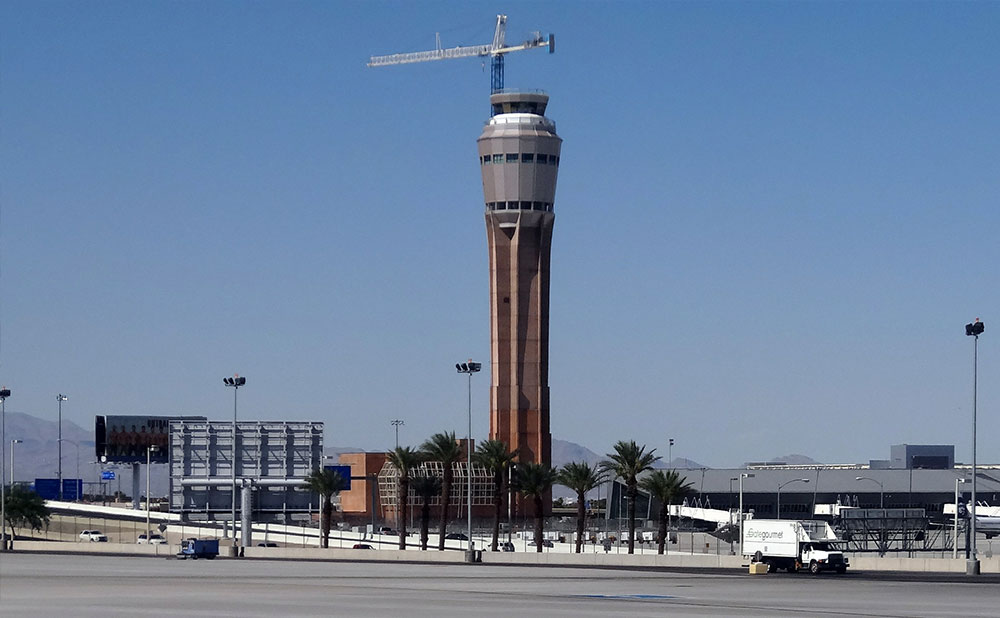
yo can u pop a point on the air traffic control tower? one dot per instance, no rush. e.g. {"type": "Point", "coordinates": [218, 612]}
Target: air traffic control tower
{"type": "Point", "coordinates": [519, 158]}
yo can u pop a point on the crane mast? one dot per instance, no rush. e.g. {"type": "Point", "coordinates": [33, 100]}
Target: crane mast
{"type": "Point", "coordinates": [495, 50]}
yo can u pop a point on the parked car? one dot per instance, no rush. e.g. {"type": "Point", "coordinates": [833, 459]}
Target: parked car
{"type": "Point", "coordinates": [93, 536]}
{"type": "Point", "coordinates": [545, 543]}
{"type": "Point", "coordinates": [267, 544]}
{"type": "Point", "coordinates": [506, 546]}
{"type": "Point", "coordinates": [362, 546]}
{"type": "Point", "coordinates": [387, 530]}
{"type": "Point", "coordinates": [456, 536]}
{"type": "Point", "coordinates": [154, 539]}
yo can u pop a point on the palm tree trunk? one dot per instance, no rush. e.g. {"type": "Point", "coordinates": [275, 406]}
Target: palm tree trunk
{"type": "Point", "coordinates": [425, 520]}
{"type": "Point", "coordinates": [631, 492]}
{"type": "Point", "coordinates": [327, 517]}
{"type": "Point", "coordinates": [497, 508]}
{"type": "Point", "coordinates": [663, 529]}
{"type": "Point", "coordinates": [581, 516]}
{"type": "Point", "coordinates": [445, 499]}
{"type": "Point", "coordinates": [539, 523]}
{"type": "Point", "coordinates": [401, 504]}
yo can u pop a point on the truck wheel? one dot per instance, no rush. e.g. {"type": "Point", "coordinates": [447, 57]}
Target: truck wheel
{"type": "Point", "coordinates": [814, 567]}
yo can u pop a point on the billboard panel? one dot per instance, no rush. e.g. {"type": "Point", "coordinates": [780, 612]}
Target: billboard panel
{"type": "Point", "coordinates": [124, 439]}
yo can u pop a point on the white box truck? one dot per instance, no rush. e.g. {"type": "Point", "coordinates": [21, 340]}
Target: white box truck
{"type": "Point", "coordinates": [791, 545]}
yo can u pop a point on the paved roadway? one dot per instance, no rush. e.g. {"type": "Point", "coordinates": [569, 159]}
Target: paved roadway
{"type": "Point", "coordinates": [76, 585]}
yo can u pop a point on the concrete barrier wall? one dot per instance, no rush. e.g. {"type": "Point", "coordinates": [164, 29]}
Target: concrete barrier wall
{"type": "Point", "coordinates": [96, 548]}
{"type": "Point", "coordinates": [927, 565]}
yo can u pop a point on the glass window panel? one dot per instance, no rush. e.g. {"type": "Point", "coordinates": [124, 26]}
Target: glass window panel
{"type": "Point", "coordinates": [511, 157]}
{"type": "Point", "coordinates": [528, 157]}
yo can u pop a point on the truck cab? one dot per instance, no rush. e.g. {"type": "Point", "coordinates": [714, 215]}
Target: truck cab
{"type": "Point", "coordinates": [821, 556]}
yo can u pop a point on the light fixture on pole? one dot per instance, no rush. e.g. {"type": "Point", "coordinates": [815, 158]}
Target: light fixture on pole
{"type": "Point", "coordinates": [779, 491]}
{"type": "Point", "coordinates": [149, 451]}
{"type": "Point", "coordinates": [954, 549]}
{"type": "Point", "coordinates": [235, 382]}
{"type": "Point", "coordinates": [4, 394]}
{"type": "Point", "coordinates": [396, 422]}
{"type": "Point", "coordinates": [743, 475]}
{"type": "Point", "coordinates": [670, 453]}
{"type": "Point", "coordinates": [469, 368]}
{"type": "Point", "coordinates": [881, 489]}
{"type": "Point", "coordinates": [60, 398]}
{"type": "Point", "coordinates": [974, 330]}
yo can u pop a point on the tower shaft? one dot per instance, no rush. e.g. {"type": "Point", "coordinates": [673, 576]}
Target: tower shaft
{"type": "Point", "coordinates": [519, 157]}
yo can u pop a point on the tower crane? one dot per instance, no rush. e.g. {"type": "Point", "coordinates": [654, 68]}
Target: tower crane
{"type": "Point", "coordinates": [494, 50]}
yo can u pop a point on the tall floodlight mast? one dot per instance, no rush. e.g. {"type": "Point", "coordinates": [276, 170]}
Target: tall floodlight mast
{"type": "Point", "coordinates": [494, 50]}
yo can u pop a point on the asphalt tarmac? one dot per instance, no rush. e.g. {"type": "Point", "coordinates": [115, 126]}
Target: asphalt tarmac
{"type": "Point", "coordinates": [77, 585]}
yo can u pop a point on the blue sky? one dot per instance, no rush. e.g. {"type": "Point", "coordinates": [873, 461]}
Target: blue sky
{"type": "Point", "coordinates": [772, 219]}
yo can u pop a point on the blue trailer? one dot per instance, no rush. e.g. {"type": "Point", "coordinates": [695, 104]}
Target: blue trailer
{"type": "Point", "coordinates": [199, 548]}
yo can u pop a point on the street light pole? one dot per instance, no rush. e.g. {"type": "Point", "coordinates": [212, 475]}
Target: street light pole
{"type": "Point", "coordinates": [954, 549]}
{"type": "Point", "coordinates": [76, 446]}
{"type": "Point", "coordinates": [149, 450]}
{"type": "Point", "coordinates": [743, 475]}
{"type": "Point", "coordinates": [12, 443]}
{"type": "Point", "coordinates": [782, 485]}
{"type": "Point", "coordinates": [974, 330]}
{"type": "Point", "coordinates": [396, 423]}
{"type": "Point", "coordinates": [881, 489]}
{"type": "Point", "coordinates": [469, 368]}
{"type": "Point", "coordinates": [670, 453]}
{"type": "Point", "coordinates": [235, 382]}
{"type": "Point", "coordinates": [4, 394]}
{"type": "Point", "coordinates": [731, 496]}
{"type": "Point", "coordinates": [60, 398]}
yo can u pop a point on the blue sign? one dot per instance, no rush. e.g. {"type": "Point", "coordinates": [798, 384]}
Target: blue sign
{"type": "Point", "coordinates": [107, 475]}
{"type": "Point", "coordinates": [344, 472]}
{"type": "Point", "coordinates": [48, 489]}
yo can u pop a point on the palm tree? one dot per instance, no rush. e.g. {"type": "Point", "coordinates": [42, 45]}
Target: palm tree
{"type": "Point", "coordinates": [627, 462]}
{"type": "Point", "coordinates": [494, 456]}
{"type": "Point", "coordinates": [327, 483]}
{"type": "Point", "coordinates": [581, 478]}
{"type": "Point", "coordinates": [426, 487]}
{"type": "Point", "coordinates": [535, 480]}
{"type": "Point", "coordinates": [665, 486]}
{"type": "Point", "coordinates": [23, 508]}
{"type": "Point", "coordinates": [404, 459]}
{"type": "Point", "coordinates": [442, 447]}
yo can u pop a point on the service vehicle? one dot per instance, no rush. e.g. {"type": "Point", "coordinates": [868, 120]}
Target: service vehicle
{"type": "Point", "coordinates": [793, 545]}
{"type": "Point", "coordinates": [199, 548]}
